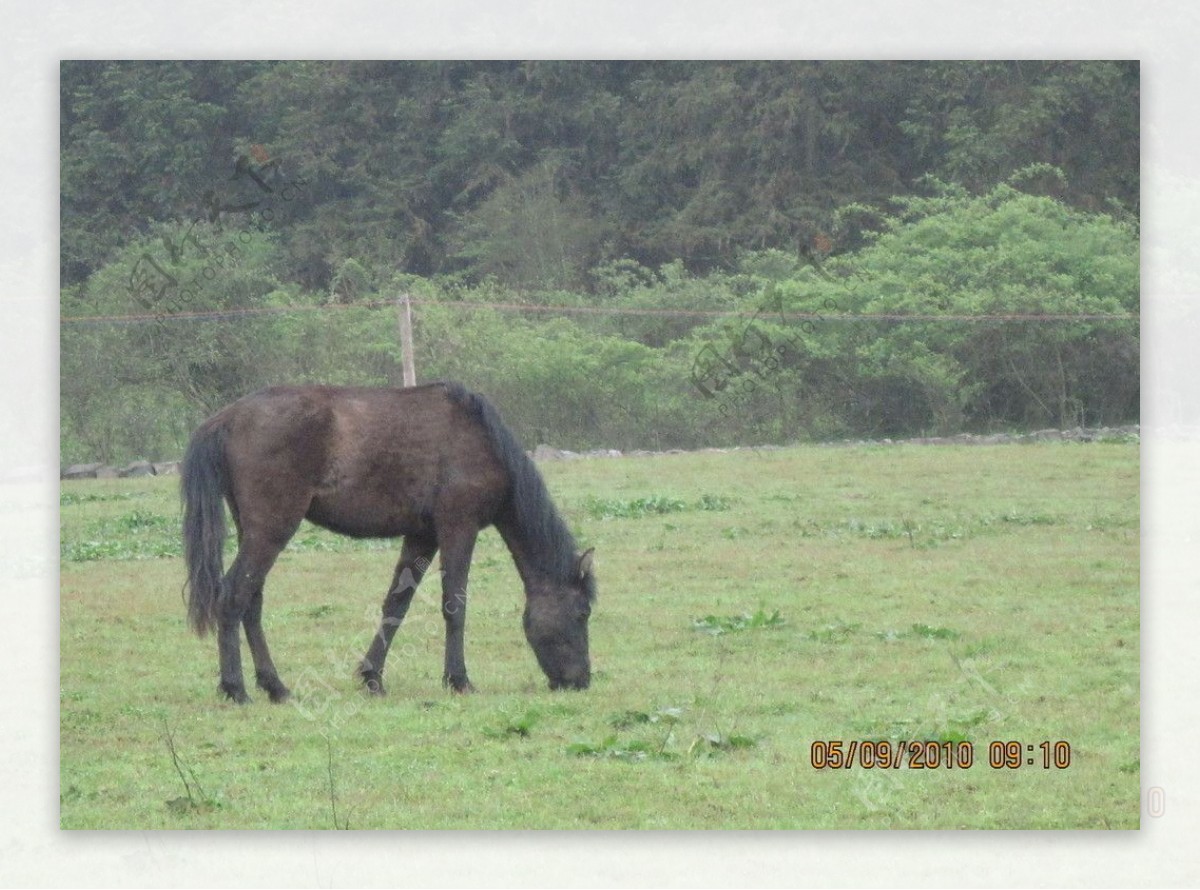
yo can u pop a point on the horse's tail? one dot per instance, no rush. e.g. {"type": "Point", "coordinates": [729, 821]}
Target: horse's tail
{"type": "Point", "coordinates": [203, 483]}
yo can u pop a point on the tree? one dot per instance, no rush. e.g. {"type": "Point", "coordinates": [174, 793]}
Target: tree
{"type": "Point", "coordinates": [141, 141]}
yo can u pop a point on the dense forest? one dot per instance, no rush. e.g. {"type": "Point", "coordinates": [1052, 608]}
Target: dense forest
{"type": "Point", "coordinates": [621, 254]}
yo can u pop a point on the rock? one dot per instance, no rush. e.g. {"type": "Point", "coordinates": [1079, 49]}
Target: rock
{"type": "Point", "coordinates": [138, 468]}
{"type": "Point", "coordinates": [108, 473]}
{"type": "Point", "coordinates": [545, 452]}
{"type": "Point", "coordinates": [81, 471]}
{"type": "Point", "coordinates": [166, 468]}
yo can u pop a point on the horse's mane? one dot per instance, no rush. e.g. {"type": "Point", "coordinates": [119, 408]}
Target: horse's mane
{"type": "Point", "coordinates": [551, 544]}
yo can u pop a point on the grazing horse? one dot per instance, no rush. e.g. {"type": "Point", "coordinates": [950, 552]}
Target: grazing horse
{"type": "Point", "coordinates": [434, 464]}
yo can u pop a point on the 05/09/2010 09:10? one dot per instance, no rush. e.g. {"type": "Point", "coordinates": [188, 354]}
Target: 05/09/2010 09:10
{"type": "Point", "coordinates": [935, 754]}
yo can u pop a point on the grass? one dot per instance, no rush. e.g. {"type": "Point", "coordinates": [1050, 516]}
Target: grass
{"type": "Point", "coordinates": [721, 624]}
{"type": "Point", "coordinates": [953, 594]}
{"type": "Point", "coordinates": [616, 508]}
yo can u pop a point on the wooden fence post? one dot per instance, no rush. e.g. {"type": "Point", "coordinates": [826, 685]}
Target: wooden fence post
{"type": "Point", "coordinates": [404, 311]}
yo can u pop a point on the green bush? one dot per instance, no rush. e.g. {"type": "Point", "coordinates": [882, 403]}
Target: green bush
{"type": "Point", "coordinates": [871, 344]}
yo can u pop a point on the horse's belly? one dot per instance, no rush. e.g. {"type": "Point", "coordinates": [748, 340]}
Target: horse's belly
{"type": "Point", "coordinates": [368, 517]}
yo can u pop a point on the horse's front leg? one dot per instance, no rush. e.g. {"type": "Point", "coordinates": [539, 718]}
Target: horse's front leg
{"type": "Point", "coordinates": [456, 564]}
{"type": "Point", "coordinates": [415, 557]}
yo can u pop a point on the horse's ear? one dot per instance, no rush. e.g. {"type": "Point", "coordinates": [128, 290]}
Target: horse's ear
{"type": "Point", "coordinates": [584, 567]}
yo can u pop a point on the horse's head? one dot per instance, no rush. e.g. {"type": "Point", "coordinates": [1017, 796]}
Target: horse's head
{"type": "Point", "coordinates": [556, 625]}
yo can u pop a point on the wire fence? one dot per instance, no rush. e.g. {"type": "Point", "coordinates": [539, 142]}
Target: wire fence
{"type": "Point", "coordinates": [627, 377]}
{"type": "Point", "coordinates": [221, 314]}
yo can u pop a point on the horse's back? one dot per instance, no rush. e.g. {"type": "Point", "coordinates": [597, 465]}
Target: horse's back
{"type": "Point", "coordinates": [299, 424]}
{"type": "Point", "coordinates": [366, 462]}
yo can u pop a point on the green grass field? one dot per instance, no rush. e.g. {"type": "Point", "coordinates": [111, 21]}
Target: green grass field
{"type": "Point", "coordinates": [750, 604]}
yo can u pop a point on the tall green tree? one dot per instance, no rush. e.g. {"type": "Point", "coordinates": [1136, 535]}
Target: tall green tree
{"type": "Point", "coordinates": [140, 142]}
{"type": "Point", "coordinates": [975, 124]}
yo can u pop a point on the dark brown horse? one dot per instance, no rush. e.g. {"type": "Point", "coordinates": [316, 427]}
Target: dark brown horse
{"type": "Point", "coordinates": [434, 464]}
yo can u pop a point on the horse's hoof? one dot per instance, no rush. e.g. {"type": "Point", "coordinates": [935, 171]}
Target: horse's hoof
{"type": "Point", "coordinates": [274, 688]}
{"type": "Point", "coordinates": [372, 679]}
{"type": "Point", "coordinates": [460, 687]}
{"type": "Point", "coordinates": [236, 694]}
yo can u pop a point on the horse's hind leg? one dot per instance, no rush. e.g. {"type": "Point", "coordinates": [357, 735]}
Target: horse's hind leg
{"type": "Point", "coordinates": [415, 557]}
{"type": "Point", "coordinates": [264, 668]}
{"type": "Point", "coordinates": [241, 602]}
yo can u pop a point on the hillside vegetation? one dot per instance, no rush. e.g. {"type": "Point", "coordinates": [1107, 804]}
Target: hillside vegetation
{"type": "Point", "coordinates": [620, 254]}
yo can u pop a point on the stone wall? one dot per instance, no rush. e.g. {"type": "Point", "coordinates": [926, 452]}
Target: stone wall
{"type": "Point", "coordinates": [547, 452]}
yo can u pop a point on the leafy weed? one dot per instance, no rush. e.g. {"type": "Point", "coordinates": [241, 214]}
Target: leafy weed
{"type": "Point", "coordinates": [716, 625]}
{"type": "Point", "coordinates": [655, 505]}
